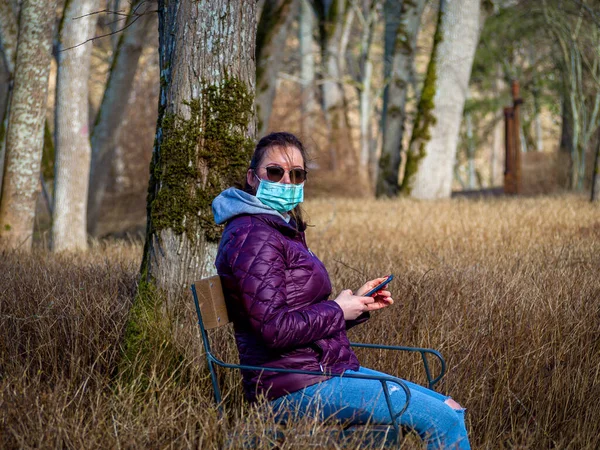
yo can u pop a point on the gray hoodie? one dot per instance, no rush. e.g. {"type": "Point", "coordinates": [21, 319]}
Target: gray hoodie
{"type": "Point", "coordinates": [233, 202]}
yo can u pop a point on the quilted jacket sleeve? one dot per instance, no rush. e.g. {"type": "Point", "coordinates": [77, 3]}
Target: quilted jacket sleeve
{"type": "Point", "coordinates": [258, 264]}
{"type": "Point", "coordinates": [360, 319]}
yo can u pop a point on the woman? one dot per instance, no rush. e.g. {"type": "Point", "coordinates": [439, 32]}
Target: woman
{"type": "Point", "coordinates": [282, 312]}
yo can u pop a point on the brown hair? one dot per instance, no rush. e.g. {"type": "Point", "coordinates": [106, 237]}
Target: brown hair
{"type": "Point", "coordinates": [285, 140]}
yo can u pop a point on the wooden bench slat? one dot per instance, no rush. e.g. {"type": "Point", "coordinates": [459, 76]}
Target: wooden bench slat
{"type": "Point", "coordinates": [212, 302]}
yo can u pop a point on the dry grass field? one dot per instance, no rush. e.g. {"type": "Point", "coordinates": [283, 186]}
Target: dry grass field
{"type": "Point", "coordinates": [507, 289]}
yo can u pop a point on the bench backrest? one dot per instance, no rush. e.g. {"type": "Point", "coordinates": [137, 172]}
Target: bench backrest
{"type": "Point", "coordinates": [211, 302]}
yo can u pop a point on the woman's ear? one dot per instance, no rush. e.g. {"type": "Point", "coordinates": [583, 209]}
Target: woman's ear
{"type": "Point", "coordinates": [250, 178]}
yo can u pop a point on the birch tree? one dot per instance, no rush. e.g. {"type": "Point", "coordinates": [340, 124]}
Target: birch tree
{"type": "Point", "coordinates": [273, 27]}
{"type": "Point", "coordinates": [73, 152]}
{"type": "Point", "coordinates": [205, 132]}
{"type": "Point", "coordinates": [460, 22]}
{"type": "Point", "coordinates": [24, 141]}
{"type": "Point", "coordinates": [400, 48]}
{"type": "Point", "coordinates": [107, 128]}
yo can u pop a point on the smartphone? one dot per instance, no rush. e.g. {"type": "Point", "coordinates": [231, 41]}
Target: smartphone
{"type": "Point", "coordinates": [379, 286]}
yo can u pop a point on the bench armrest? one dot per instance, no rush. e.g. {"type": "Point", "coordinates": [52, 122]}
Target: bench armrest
{"type": "Point", "coordinates": [423, 351]}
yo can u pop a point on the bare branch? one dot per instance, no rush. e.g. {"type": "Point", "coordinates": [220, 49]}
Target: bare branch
{"type": "Point", "coordinates": [108, 11]}
{"type": "Point", "coordinates": [133, 14]}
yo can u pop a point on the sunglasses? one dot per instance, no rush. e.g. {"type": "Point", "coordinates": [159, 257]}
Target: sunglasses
{"type": "Point", "coordinates": [276, 173]}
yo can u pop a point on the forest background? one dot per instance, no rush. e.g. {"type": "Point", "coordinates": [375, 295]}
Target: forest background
{"type": "Point", "coordinates": [398, 102]}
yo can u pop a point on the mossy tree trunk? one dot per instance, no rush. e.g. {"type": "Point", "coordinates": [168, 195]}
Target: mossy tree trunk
{"type": "Point", "coordinates": [8, 48]}
{"type": "Point", "coordinates": [24, 141]}
{"type": "Point", "coordinates": [72, 151]}
{"type": "Point", "coordinates": [424, 119]}
{"type": "Point", "coordinates": [400, 50]}
{"type": "Point", "coordinates": [205, 133]}
{"type": "Point", "coordinates": [272, 32]}
{"type": "Point", "coordinates": [107, 128]}
{"type": "Point", "coordinates": [456, 50]}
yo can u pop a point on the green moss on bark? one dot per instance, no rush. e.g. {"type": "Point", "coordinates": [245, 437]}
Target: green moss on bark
{"type": "Point", "coordinates": [149, 353]}
{"type": "Point", "coordinates": [425, 118]}
{"type": "Point", "coordinates": [198, 157]}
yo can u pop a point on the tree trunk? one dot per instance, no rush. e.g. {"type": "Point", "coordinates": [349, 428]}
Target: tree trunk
{"type": "Point", "coordinates": [72, 151]}
{"type": "Point", "coordinates": [115, 24]}
{"type": "Point", "coordinates": [460, 34]}
{"type": "Point", "coordinates": [470, 152]}
{"type": "Point", "coordinates": [366, 163]}
{"type": "Point", "coordinates": [275, 21]}
{"type": "Point", "coordinates": [114, 104]}
{"type": "Point", "coordinates": [5, 81]}
{"type": "Point", "coordinates": [497, 151]}
{"type": "Point", "coordinates": [395, 96]}
{"type": "Point", "coordinates": [8, 34]}
{"type": "Point", "coordinates": [307, 68]}
{"type": "Point", "coordinates": [342, 150]}
{"type": "Point", "coordinates": [205, 133]}
{"type": "Point", "coordinates": [8, 46]}
{"type": "Point", "coordinates": [596, 171]}
{"type": "Point", "coordinates": [26, 124]}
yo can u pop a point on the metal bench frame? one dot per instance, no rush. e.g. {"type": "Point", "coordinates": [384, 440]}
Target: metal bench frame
{"type": "Point", "coordinates": [213, 305]}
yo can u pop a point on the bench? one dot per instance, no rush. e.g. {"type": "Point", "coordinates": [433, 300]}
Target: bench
{"type": "Point", "coordinates": [211, 309]}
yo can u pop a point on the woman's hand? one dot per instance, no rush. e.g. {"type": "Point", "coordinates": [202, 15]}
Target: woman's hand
{"type": "Point", "coordinates": [353, 305]}
{"type": "Point", "coordinates": [382, 297]}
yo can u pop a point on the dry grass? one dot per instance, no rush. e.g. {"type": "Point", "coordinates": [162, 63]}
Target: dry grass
{"type": "Point", "coordinates": [508, 290]}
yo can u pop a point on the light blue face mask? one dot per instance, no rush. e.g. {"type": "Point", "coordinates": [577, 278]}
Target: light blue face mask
{"type": "Point", "coordinates": [281, 197]}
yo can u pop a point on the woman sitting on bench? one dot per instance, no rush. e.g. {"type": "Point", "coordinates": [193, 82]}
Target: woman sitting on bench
{"type": "Point", "coordinates": [284, 315]}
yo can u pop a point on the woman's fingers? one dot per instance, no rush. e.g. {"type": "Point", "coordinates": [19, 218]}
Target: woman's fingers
{"type": "Point", "coordinates": [375, 306]}
{"type": "Point", "coordinates": [380, 302]}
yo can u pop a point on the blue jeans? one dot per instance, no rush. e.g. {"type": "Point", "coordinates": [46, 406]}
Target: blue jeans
{"type": "Point", "coordinates": [358, 401]}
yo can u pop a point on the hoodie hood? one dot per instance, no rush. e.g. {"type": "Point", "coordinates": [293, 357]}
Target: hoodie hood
{"type": "Point", "coordinates": [234, 202]}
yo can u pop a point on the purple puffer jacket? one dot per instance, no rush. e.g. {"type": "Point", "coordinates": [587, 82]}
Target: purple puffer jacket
{"type": "Point", "coordinates": [278, 292]}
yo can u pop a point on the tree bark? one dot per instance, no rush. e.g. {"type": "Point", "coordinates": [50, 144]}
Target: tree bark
{"type": "Point", "coordinates": [8, 45]}
{"type": "Point", "coordinates": [205, 133]}
{"type": "Point", "coordinates": [5, 81]}
{"type": "Point", "coordinates": [460, 34]}
{"type": "Point", "coordinates": [595, 194]}
{"type": "Point", "coordinates": [395, 96]}
{"type": "Point", "coordinates": [273, 27]}
{"type": "Point", "coordinates": [497, 151]}
{"type": "Point", "coordinates": [72, 151]}
{"type": "Point", "coordinates": [343, 155]}
{"type": "Point", "coordinates": [307, 68]}
{"type": "Point", "coordinates": [107, 128]}
{"type": "Point", "coordinates": [26, 124]}
{"type": "Point", "coordinates": [8, 34]}
{"type": "Point", "coordinates": [364, 86]}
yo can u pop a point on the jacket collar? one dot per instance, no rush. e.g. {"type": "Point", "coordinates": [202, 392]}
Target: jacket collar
{"type": "Point", "coordinates": [288, 229]}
